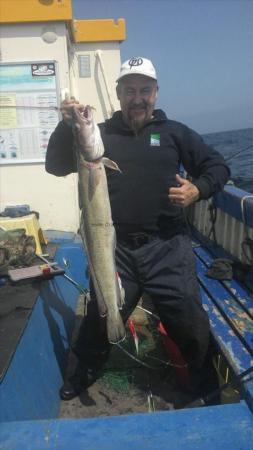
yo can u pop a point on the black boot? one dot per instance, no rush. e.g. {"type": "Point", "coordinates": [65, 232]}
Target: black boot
{"type": "Point", "coordinates": [82, 378]}
{"type": "Point", "coordinates": [86, 373]}
{"type": "Point", "coordinates": [206, 381]}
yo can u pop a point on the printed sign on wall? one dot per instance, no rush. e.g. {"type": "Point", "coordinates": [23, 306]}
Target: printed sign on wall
{"type": "Point", "coordinates": [28, 110]}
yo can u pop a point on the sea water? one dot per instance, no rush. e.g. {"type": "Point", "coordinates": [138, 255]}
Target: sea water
{"type": "Point", "coordinates": [229, 144]}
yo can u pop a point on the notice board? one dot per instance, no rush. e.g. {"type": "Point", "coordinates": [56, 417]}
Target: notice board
{"type": "Point", "coordinates": [29, 99]}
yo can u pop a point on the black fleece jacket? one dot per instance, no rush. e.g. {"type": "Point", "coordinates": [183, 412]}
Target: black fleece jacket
{"type": "Point", "coordinates": [149, 163]}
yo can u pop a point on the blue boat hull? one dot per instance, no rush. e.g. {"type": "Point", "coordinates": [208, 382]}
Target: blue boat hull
{"type": "Point", "coordinates": [29, 400]}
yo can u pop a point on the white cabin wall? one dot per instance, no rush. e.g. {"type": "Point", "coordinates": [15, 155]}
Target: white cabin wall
{"type": "Point", "coordinates": [92, 90]}
{"type": "Point", "coordinates": [55, 198]}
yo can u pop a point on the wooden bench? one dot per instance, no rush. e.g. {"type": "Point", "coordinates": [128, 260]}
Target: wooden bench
{"type": "Point", "coordinates": [230, 308]}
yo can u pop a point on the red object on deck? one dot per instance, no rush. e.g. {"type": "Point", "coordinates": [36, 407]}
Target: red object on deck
{"type": "Point", "coordinates": [176, 358]}
{"type": "Point", "coordinates": [46, 271]}
{"type": "Point", "coordinates": [134, 334]}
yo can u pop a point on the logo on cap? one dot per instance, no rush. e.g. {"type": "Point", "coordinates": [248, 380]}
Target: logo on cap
{"type": "Point", "coordinates": [133, 62]}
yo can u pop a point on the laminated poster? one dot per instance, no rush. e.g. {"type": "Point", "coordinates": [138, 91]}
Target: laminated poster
{"type": "Point", "coordinates": [28, 111]}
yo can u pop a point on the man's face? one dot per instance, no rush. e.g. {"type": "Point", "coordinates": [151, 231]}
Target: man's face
{"type": "Point", "coordinates": [137, 95]}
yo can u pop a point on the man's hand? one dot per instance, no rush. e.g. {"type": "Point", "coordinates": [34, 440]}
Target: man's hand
{"type": "Point", "coordinates": [185, 194]}
{"type": "Point", "coordinates": [66, 108]}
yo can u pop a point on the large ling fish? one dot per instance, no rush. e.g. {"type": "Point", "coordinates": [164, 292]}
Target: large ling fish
{"type": "Point", "coordinates": [96, 226]}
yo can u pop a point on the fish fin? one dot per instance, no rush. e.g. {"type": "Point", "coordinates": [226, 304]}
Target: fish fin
{"type": "Point", "coordinates": [122, 295]}
{"type": "Point", "coordinates": [115, 329]}
{"type": "Point", "coordinates": [121, 290]}
{"type": "Point", "coordinates": [111, 164]}
{"type": "Point", "coordinates": [94, 179]}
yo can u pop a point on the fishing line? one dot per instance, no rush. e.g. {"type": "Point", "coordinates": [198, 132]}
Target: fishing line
{"type": "Point", "coordinates": [238, 153]}
{"type": "Point", "coordinates": [136, 359]}
{"type": "Point", "coordinates": [167, 363]}
{"type": "Point", "coordinates": [164, 363]}
{"type": "Point", "coordinates": [57, 108]}
{"type": "Point", "coordinates": [79, 286]}
{"type": "Point", "coordinates": [51, 107]}
{"type": "Point", "coordinates": [148, 312]}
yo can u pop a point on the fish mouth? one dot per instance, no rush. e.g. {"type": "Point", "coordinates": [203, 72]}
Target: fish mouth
{"type": "Point", "coordinates": [84, 115]}
{"type": "Point", "coordinates": [87, 114]}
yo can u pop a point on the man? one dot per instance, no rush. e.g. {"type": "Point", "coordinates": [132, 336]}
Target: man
{"type": "Point", "coordinates": [153, 254]}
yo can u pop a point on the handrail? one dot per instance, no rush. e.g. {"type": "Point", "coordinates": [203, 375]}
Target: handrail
{"type": "Point", "coordinates": [98, 54]}
{"type": "Point", "coordinates": [237, 203]}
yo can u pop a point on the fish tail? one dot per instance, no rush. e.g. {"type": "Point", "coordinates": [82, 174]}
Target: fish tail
{"type": "Point", "coordinates": [115, 329]}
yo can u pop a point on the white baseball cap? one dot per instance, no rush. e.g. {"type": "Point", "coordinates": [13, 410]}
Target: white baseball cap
{"type": "Point", "coordinates": [137, 65]}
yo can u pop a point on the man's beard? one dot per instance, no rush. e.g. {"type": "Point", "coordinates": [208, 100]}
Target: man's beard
{"type": "Point", "coordinates": [137, 123]}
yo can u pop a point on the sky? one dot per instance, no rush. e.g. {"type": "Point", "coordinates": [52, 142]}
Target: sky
{"type": "Point", "coordinates": [202, 51]}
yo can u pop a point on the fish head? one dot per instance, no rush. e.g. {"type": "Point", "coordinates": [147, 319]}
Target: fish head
{"type": "Point", "coordinates": [87, 135]}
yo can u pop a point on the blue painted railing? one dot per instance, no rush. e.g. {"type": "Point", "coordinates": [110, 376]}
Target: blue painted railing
{"type": "Point", "coordinates": [237, 203]}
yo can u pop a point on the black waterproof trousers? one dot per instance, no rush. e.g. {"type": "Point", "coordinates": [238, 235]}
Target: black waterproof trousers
{"type": "Point", "coordinates": [163, 268]}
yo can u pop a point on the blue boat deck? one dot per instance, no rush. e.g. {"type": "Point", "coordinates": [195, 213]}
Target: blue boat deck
{"type": "Point", "coordinates": [29, 390]}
